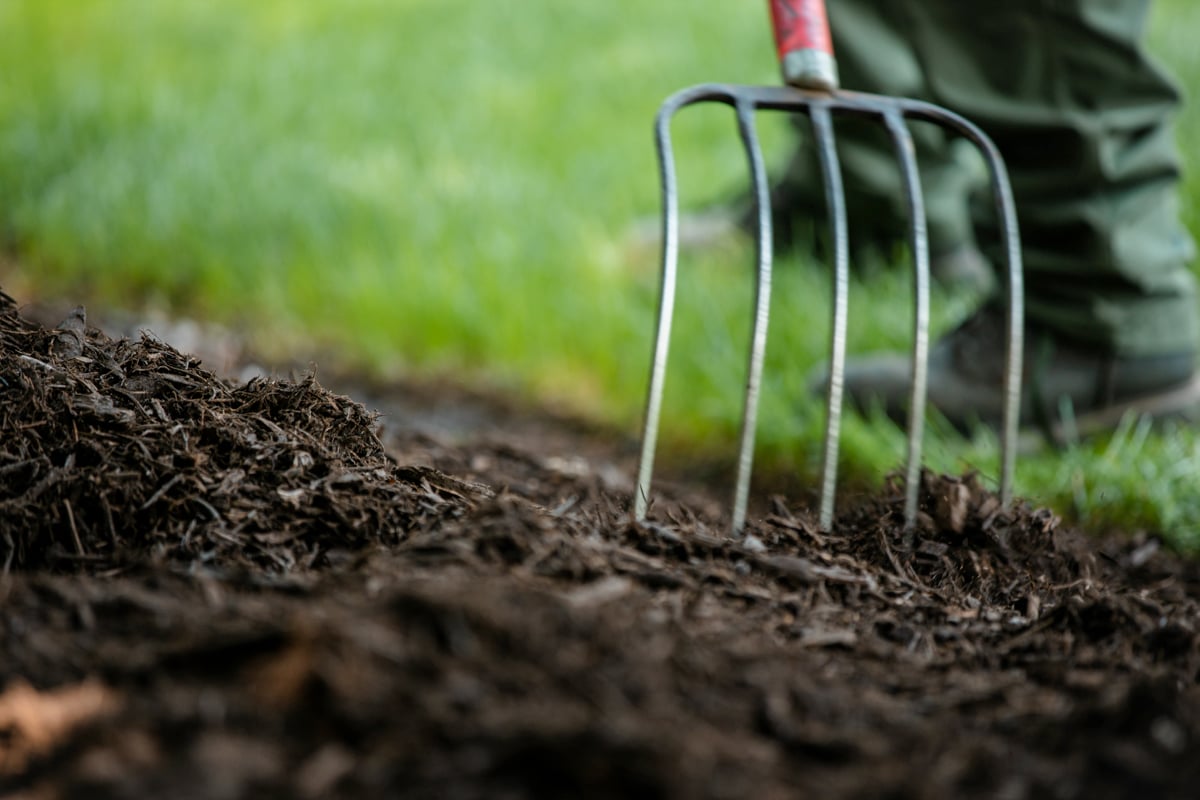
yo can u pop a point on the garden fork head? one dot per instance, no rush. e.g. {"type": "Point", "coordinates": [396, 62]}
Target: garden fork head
{"type": "Point", "coordinates": [806, 57]}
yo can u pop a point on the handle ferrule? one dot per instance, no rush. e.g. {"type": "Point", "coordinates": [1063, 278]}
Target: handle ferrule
{"type": "Point", "coordinates": [804, 44]}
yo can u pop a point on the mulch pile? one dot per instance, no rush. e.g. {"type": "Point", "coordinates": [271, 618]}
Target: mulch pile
{"type": "Point", "coordinates": [216, 590]}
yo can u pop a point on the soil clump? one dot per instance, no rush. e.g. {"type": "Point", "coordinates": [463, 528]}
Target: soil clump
{"type": "Point", "coordinates": [215, 589]}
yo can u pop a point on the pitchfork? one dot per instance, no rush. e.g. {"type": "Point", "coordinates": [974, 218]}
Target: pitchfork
{"type": "Point", "coordinates": [807, 61]}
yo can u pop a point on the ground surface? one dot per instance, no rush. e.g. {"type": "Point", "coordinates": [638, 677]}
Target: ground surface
{"type": "Point", "coordinates": [222, 590]}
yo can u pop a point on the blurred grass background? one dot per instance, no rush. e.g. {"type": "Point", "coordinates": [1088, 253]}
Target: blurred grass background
{"type": "Point", "coordinates": [448, 189]}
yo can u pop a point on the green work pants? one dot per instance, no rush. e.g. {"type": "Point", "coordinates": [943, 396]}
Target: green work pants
{"type": "Point", "coordinates": [1082, 117]}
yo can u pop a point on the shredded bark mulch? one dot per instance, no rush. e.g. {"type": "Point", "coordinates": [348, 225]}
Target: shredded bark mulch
{"type": "Point", "coordinates": [220, 590]}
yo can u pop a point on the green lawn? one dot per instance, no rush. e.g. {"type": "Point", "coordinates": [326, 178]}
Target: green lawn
{"type": "Point", "coordinates": [447, 188]}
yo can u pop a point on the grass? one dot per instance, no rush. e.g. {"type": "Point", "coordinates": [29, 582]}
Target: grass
{"type": "Point", "coordinates": [447, 188]}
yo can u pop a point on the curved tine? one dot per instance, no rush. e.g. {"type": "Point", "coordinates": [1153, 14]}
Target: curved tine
{"type": "Point", "coordinates": [666, 301]}
{"type": "Point", "coordinates": [762, 310]}
{"type": "Point", "coordinates": [1015, 331]}
{"type": "Point", "coordinates": [1015, 324]}
{"type": "Point", "coordinates": [919, 242]}
{"type": "Point", "coordinates": [835, 200]}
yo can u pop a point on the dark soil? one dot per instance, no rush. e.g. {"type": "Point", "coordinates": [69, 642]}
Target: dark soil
{"type": "Point", "coordinates": [218, 590]}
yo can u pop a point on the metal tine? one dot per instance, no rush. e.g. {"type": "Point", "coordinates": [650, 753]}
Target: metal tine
{"type": "Point", "coordinates": [835, 199]}
{"type": "Point", "coordinates": [1010, 235]}
{"type": "Point", "coordinates": [1015, 324]}
{"type": "Point", "coordinates": [744, 107]}
{"type": "Point", "coordinates": [1015, 327]}
{"type": "Point", "coordinates": [919, 244]}
{"type": "Point", "coordinates": [762, 310]}
{"type": "Point", "coordinates": [666, 300]}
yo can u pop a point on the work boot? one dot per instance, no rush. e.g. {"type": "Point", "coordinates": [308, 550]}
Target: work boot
{"type": "Point", "coordinates": [1068, 388]}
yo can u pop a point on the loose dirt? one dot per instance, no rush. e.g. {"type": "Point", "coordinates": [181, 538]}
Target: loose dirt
{"type": "Point", "coordinates": [218, 590]}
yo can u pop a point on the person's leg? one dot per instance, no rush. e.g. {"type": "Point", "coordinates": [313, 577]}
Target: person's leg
{"type": "Point", "coordinates": [1082, 117]}
{"type": "Point", "coordinates": [875, 54]}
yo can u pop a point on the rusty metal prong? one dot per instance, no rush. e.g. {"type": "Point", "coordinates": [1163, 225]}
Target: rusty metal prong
{"type": "Point", "coordinates": [762, 309]}
{"type": "Point", "coordinates": [835, 200]}
{"type": "Point", "coordinates": [919, 244]}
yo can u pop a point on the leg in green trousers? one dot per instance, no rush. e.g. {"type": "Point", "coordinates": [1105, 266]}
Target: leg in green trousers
{"type": "Point", "coordinates": [875, 54]}
{"type": "Point", "coordinates": [1082, 117]}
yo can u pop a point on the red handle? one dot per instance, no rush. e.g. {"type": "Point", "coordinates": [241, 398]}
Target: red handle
{"type": "Point", "coordinates": [804, 44]}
